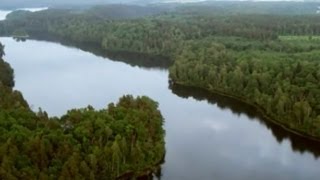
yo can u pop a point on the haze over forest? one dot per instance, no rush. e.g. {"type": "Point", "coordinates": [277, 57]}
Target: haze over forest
{"type": "Point", "coordinates": [28, 3]}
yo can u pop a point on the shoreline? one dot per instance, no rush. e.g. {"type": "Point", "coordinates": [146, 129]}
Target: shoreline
{"type": "Point", "coordinates": [257, 108]}
{"type": "Point", "coordinates": [143, 173]}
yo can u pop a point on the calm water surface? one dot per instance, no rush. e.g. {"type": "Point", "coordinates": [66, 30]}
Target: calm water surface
{"type": "Point", "coordinates": [207, 136]}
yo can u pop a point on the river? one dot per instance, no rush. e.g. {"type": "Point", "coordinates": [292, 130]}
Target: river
{"type": "Point", "coordinates": [207, 136]}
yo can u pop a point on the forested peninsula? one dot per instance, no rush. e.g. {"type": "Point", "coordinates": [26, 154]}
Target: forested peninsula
{"type": "Point", "coordinates": [269, 60]}
{"type": "Point", "coordinates": [124, 140]}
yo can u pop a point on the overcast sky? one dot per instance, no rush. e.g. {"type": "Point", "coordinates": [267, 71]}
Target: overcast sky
{"type": "Point", "coordinates": [39, 3]}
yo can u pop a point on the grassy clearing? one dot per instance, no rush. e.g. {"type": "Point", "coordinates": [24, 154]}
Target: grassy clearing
{"type": "Point", "coordinates": [299, 38]}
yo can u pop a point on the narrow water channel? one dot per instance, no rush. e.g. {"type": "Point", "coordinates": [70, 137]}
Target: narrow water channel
{"type": "Point", "coordinates": [207, 136]}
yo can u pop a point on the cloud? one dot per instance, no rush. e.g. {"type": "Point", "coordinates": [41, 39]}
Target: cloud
{"type": "Point", "coordinates": [216, 125]}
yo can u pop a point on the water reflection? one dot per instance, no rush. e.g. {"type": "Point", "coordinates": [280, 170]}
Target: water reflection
{"type": "Point", "coordinates": [207, 136]}
{"type": "Point", "coordinates": [131, 58]}
{"type": "Point", "coordinates": [20, 39]}
{"type": "Point", "coordinates": [298, 143]}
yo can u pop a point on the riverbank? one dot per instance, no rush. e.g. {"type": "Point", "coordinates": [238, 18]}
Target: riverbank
{"type": "Point", "coordinates": [257, 108]}
{"type": "Point", "coordinates": [100, 144]}
{"type": "Point", "coordinates": [145, 174]}
{"type": "Point", "coordinates": [191, 141]}
{"type": "Point", "coordinates": [133, 58]}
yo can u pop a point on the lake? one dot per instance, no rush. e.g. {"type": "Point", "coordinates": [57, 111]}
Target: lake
{"type": "Point", "coordinates": [207, 136]}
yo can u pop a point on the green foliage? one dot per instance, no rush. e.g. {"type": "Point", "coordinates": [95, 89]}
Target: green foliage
{"type": "Point", "coordinates": [100, 144]}
{"type": "Point", "coordinates": [123, 11]}
{"type": "Point", "coordinates": [83, 144]}
{"type": "Point", "coordinates": [251, 7]}
{"type": "Point", "coordinates": [269, 60]}
{"type": "Point", "coordinates": [286, 86]}
{"type": "Point", "coordinates": [1, 51]}
{"type": "Point", "coordinates": [20, 33]}
{"type": "Point", "coordinates": [299, 38]}
{"type": "Point", "coordinates": [166, 34]}
{"type": "Point", "coordinates": [6, 72]}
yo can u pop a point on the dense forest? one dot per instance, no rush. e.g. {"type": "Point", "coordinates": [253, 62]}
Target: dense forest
{"type": "Point", "coordinates": [126, 138]}
{"type": "Point", "coordinates": [163, 34]}
{"type": "Point", "coordinates": [156, 34]}
{"type": "Point", "coordinates": [267, 60]}
{"type": "Point", "coordinates": [284, 85]}
{"type": "Point", "coordinates": [251, 7]}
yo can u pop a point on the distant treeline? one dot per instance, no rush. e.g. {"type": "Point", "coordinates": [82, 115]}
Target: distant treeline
{"type": "Point", "coordinates": [164, 34]}
{"type": "Point", "coordinates": [205, 7]}
{"type": "Point", "coordinates": [127, 138]}
{"type": "Point", "coordinates": [250, 7]}
{"type": "Point", "coordinates": [59, 3]}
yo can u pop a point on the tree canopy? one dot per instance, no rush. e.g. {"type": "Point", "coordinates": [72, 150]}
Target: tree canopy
{"type": "Point", "coordinates": [126, 137]}
{"type": "Point", "coordinates": [269, 60]}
